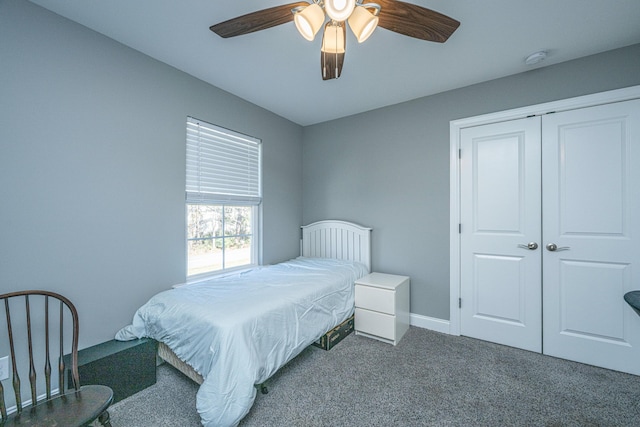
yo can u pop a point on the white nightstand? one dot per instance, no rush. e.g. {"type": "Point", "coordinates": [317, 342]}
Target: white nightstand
{"type": "Point", "coordinates": [382, 307]}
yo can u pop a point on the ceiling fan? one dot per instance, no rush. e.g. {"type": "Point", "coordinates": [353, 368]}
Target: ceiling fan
{"type": "Point", "coordinates": [394, 15]}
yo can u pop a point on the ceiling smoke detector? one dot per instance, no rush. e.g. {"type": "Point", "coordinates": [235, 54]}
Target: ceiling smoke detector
{"type": "Point", "coordinates": [536, 57]}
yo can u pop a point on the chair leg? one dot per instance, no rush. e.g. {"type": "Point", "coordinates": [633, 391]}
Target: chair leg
{"type": "Point", "coordinates": [104, 419]}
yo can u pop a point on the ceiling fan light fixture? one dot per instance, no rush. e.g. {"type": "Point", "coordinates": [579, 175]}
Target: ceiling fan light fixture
{"type": "Point", "coordinates": [333, 40]}
{"type": "Point", "coordinates": [363, 22]}
{"type": "Point", "coordinates": [403, 18]}
{"type": "Point", "coordinates": [339, 10]}
{"type": "Point", "coordinates": [308, 20]}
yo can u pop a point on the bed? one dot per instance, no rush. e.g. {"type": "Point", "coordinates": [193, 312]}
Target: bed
{"type": "Point", "coordinates": [233, 332]}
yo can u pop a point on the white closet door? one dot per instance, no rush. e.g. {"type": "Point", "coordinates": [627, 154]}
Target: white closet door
{"type": "Point", "coordinates": [591, 212]}
{"type": "Point", "coordinates": [500, 215]}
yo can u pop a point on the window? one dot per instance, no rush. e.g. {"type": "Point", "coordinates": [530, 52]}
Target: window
{"type": "Point", "coordinates": [223, 196]}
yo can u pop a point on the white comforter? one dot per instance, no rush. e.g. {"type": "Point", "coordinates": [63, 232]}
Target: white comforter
{"type": "Point", "coordinates": [237, 331]}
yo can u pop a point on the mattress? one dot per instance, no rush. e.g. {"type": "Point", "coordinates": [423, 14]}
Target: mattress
{"type": "Point", "coordinates": [238, 330]}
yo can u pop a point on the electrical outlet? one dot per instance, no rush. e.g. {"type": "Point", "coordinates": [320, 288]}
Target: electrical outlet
{"type": "Point", "coordinates": [4, 368]}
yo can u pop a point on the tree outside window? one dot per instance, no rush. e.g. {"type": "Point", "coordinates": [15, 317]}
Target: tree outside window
{"type": "Point", "coordinates": [219, 237]}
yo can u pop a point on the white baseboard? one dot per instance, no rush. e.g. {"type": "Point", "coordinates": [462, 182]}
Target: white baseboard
{"type": "Point", "coordinates": [430, 323]}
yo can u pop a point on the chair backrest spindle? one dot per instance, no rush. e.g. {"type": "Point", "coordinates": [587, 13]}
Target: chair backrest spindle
{"type": "Point", "coordinates": [61, 380]}
{"type": "Point", "coordinates": [47, 362]}
{"type": "Point", "coordinates": [14, 367]}
{"type": "Point", "coordinates": [3, 409]}
{"type": "Point", "coordinates": [32, 368]}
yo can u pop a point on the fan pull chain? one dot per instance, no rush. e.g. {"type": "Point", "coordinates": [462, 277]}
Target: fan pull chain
{"type": "Point", "coordinates": [324, 68]}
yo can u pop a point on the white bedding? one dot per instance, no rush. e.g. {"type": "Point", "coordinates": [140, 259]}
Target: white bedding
{"type": "Point", "coordinates": [238, 330]}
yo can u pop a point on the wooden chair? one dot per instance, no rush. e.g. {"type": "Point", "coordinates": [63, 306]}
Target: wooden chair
{"type": "Point", "coordinates": [28, 329]}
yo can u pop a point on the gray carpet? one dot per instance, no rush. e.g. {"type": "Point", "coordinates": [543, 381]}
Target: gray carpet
{"type": "Point", "coordinates": [429, 379]}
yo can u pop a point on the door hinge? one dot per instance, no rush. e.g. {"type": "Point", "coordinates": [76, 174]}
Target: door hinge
{"type": "Point", "coordinates": [460, 228]}
{"type": "Point", "coordinates": [459, 153]}
{"type": "Point", "coordinates": [459, 302]}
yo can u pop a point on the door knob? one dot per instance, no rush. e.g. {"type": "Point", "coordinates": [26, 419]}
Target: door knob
{"type": "Point", "coordinates": [552, 247]}
{"type": "Point", "coordinates": [532, 245]}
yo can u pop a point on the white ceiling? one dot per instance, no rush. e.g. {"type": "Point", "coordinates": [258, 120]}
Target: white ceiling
{"type": "Point", "coordinates": [280, 71]}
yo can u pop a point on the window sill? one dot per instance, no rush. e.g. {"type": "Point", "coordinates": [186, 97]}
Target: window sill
{"type": "Point", "coordinates": [204, 277]}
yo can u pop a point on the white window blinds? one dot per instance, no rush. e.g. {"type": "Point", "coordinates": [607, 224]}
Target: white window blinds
{"type": "Point", "coordinates": [223, 167]}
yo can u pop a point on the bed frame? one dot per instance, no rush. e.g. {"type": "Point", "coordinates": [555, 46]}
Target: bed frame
{"type": "Point", "coordinates": [323, 239]}
{"type": "Point", "coordinates": [337, 240]}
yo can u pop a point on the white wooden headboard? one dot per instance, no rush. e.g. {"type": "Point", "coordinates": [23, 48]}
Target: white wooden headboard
{"type": "Point", "coordinates": [337, 240]}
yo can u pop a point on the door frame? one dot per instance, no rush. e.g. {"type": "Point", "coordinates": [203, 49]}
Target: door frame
{"type": "Point", "coordinates": [455, 126]}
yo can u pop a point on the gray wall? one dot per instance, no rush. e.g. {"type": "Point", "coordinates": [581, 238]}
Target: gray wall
{"type": "Point", "coordinates": [92, 165]}
{"type": "Point", "coordinates": [389, 168]}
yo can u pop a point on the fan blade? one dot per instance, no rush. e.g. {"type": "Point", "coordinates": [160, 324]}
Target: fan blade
{"type": "Point", "coordinates": [415, 21]}
{"type": "Point", "coordinates": [256, 21]}
{"type": "Point", "coordinates": [334, 43]}
{"type": "Point", "coordinates": [331, 65]}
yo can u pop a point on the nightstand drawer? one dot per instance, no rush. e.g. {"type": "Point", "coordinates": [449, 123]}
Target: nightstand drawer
{"type": "Point", "coordinates": [376, 299]}
{"type": "Point", "coordinates": [378, 324]}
